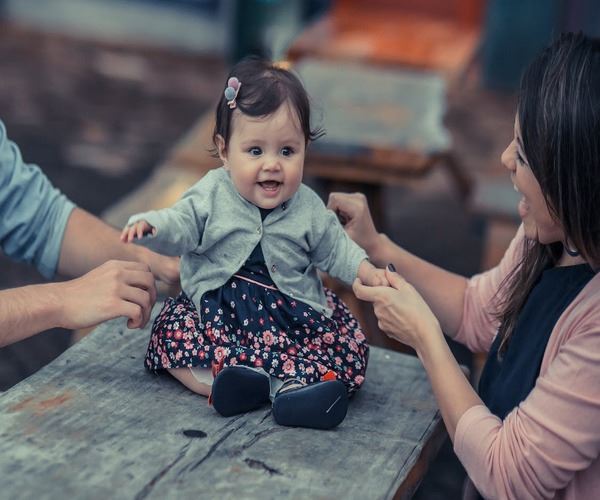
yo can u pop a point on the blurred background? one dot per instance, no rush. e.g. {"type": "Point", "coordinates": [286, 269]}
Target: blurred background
{"type": "Point", "coordinates": [113, 100]}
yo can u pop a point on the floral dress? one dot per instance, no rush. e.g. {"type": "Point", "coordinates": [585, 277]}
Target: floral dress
{"type": "Point", "coordinates": [248, 321]}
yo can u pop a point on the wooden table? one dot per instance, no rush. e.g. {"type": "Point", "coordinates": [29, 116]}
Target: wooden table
{"type": "Point", "coordinates": [384, 126]}
{"type": "Point", "coordinates": [95, 424]}
{"type": "Point", "coordinates": [440, 35]}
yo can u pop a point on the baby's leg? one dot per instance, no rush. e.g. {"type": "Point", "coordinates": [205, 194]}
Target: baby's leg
{"type": "Point", "coordinates": [198, 380]}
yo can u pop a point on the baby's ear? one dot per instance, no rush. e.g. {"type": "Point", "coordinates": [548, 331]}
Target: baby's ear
{"type": "Point", "coordinates": [221, 149]}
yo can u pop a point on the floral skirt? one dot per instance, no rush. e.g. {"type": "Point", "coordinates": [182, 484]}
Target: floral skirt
{"type": "Point", "coordinates": [246, 323]}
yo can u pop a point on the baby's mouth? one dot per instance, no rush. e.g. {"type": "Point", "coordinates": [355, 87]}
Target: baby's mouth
{"type": "Point", "coordinates": [269, 185]}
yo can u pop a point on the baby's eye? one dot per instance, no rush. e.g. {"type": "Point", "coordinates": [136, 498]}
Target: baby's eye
{"type": "Point", "coordinates": [287, 151]}
{"type": "Point", "coordinates": [255, 151]}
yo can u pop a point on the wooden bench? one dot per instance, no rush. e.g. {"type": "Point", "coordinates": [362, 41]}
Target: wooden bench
{"type": "Point", "coordinates": [439, 35]}
{"type": "Point", "coordinates": [95, 424]}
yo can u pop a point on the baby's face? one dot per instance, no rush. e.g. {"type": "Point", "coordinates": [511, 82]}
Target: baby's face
{"type": "Point", "coordinates": [265, 156]}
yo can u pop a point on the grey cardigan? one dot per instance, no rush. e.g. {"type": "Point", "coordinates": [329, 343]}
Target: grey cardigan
{"type": "Point", "coordinates": [215, 229]}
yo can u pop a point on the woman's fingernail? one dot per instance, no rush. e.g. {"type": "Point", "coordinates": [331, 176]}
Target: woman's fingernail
{"type": "Point", "coordinates": [391, 267]}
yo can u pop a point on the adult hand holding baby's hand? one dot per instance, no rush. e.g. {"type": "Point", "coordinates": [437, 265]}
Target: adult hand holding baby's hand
{"type": "Point", "coordinates": [377, 277]}
{"type": "Point", "coordinates": [137, 230]}
{"type": "Point", "coordinates": [370, 275]}
{"type": "Point", "coordinates": [401, 312]}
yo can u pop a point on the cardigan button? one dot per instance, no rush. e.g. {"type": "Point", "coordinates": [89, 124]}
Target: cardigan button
{"type": "Point", "coordinates": [258, 229]}
{"type": "Point", "coordinates": [274, 268]}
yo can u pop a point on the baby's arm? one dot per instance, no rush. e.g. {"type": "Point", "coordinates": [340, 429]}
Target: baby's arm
{"type": "Point", "coordinates": [175, 230]}
{"type": "Point", "coordinates": [368, 274]}
{"type": "Point", "coordinates": [333, 251]}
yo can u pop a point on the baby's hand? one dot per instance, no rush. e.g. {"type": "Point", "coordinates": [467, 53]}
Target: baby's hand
{"type": "Point", "coordinates": [370, 275]}
{"type": "Point", "coordinates": [137, 230]}
{"type": "Point", "coordinates": [377, 278]}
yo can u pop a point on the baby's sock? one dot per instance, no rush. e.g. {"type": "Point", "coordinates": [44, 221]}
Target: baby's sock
{"type": "Point", "coordinates": [202, 375]}
{"type": "Point", "coordinates": [276, 384]}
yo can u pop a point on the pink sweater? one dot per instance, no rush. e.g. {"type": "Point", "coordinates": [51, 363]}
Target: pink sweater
{"type": "Point", "coordinates": [549, 446]}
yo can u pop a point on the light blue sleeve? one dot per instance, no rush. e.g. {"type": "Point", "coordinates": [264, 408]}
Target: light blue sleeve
{"type": "Point", "coordinates": [33, 213]}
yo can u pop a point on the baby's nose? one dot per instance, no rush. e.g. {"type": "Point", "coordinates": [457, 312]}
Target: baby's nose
{"type": "Point", "coordinates": [272, 163]}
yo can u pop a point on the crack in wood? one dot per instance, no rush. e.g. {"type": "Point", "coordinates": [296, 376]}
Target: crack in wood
{"type": "Point", "coordinates": [210, 451]}
{"type": "Point", "coordinates": [261, 434]}
{"type": "Point", "coordinates": [150, 485]}
{"type": "Point", "coordinates": [257, 464]}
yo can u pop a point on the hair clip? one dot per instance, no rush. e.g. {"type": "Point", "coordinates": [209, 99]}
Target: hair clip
{"type": "Point", "coordinates": [231, 92]}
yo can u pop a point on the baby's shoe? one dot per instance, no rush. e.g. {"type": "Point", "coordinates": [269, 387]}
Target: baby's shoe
{"type": "Point", "coordinates": [239, 389]}
{"type": "Point", "coordinates": [318, 406]}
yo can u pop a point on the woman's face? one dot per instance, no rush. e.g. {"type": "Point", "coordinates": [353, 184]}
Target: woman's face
{"type": "Point", "coordinates": [538, 223]}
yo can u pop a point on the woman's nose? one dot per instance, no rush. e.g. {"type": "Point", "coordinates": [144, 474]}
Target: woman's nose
{"type": "Point", "coordinates": [508, 157]}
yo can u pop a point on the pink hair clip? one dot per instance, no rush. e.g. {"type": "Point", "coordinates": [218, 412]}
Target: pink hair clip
{"type": "Point", "coordinates": [232, 90]}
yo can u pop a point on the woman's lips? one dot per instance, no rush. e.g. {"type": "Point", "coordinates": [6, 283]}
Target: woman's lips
{"type": "Point", "coordinates": [523, 208]}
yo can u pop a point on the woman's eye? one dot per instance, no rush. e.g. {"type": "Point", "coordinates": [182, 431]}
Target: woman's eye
{"type": "Point", "coordinates": [256, 151]}
{"type": "Point", "coordinates": [287, 151]}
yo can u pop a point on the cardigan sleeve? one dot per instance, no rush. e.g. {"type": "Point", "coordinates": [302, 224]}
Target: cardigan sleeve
{"type": "Point", "coordinates": [333, 251]}
{"type": "Point", "coordinates": [179, 228]}
{"type": "Point", "coordinates": [552, 434]}
{"type": "Point", "coordinates": [478, 324]}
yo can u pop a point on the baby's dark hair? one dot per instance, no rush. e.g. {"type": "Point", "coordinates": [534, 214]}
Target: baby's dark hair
{"type": "Point", "coordinates": [264, 88]}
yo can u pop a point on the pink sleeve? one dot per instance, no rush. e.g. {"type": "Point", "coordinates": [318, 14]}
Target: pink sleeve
{"type": "Point", "coordinates": [551, 435]}
{"type": "Point", "coordinates": [478, 325]}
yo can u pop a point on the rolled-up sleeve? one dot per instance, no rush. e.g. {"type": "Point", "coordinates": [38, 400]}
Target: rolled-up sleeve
{"type": "Point", "coordinates": [33, 213]}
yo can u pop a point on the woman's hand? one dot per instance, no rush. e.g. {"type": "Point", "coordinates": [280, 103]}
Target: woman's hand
{"type": "Point", "coordinates": [401, 311]}
{"type": "Point", "coordinates": [354, 213]}
{"type": "Point", "coordinates": [137, 230]}
{"type": "Point", "coordinates": [116, 288]}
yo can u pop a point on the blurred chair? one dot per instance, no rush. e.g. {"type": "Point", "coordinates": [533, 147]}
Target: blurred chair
{"type": "Point", "coordinates": [440, 35]}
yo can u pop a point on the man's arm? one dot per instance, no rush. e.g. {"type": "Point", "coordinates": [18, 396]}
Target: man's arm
{"type": "Point", "coordinates": [114, 289]}
{"type": "Point", "coordinates": [89, 242]}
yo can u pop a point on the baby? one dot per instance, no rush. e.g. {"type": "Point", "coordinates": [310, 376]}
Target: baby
{"type": "Point", "coordinates": [253, 323]}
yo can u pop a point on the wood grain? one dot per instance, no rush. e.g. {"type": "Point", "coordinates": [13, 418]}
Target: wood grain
{"type": "Point", "coordinates": [95, 424]}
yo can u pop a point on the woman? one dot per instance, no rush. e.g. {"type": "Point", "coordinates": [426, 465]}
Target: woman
{"type": "Point", "coordinates": [533, 431]}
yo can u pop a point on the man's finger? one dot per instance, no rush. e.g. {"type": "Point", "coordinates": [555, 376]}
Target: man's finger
{"type": "Point", "coordinates": [141, 279]}
{"type": "Point", "coordinates": [140, 297]}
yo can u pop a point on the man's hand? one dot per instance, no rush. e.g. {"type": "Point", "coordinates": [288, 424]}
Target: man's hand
{"type": "Point", "coordinates": [114, 289]}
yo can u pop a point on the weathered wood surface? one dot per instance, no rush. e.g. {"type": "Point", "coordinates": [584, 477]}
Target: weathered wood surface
{"type": "Point", "coordinates": [95, 424]}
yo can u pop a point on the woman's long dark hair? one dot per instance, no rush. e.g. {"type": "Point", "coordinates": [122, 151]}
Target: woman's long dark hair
{"type": "Point", "coordinates": [559, 118]}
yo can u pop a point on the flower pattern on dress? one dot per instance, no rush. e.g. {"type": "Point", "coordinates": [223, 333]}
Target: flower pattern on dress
{"type": "Point", "coordinates": [248, 324]}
